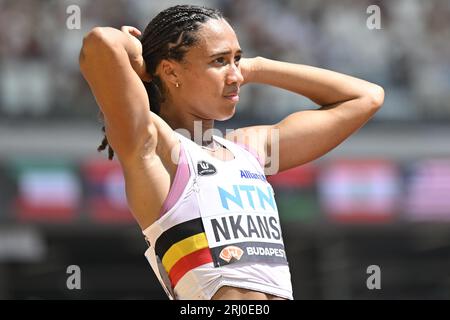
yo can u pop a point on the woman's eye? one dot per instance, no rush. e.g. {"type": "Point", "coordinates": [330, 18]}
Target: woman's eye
{"type": "Point", "coordinates": [224, 61]}
{"type": "Point", "coordinates": [220, 60]}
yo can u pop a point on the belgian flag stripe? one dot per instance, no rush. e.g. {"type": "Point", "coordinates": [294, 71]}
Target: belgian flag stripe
{"type": "Point", "coordinates": [189, 262]}
{"type": "Point", "coordinates": [183, 248]}
{"type": "Point", "coordinates": [176, 234]}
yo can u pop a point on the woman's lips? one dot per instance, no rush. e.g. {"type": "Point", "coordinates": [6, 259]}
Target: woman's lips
{"type": "Point", "coordinates": [233, 97]}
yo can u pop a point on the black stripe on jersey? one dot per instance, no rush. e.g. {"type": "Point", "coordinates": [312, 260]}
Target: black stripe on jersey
{"type": "Point", "coordinates": [177, 233]}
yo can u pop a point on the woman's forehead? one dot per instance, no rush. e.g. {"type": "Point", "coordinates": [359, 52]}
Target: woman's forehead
{"type": "Point", "coordinates": [217, 36]}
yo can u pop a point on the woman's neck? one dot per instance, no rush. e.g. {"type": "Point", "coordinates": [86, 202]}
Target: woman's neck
{"type": "Point", "coordinates": [200, 130]}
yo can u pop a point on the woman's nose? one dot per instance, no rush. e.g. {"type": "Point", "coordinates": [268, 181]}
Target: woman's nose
{"type": "Point", "coordinates": [234, 75]}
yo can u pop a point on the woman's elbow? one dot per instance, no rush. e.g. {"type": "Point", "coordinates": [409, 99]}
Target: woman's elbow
{"type": "Point", "coordinates": [375, 97]}
{"type": "Point", "coordinates": [93, 41]}
{"type": "Point", "coordinates": [90, 42]}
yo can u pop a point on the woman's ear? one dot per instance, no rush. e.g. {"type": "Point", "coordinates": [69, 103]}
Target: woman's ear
{"type": "Point", "coordinates": [167, 70]}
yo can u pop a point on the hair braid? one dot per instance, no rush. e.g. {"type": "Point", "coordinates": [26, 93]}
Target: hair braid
{"type": "Point", "coordinates": [105, 144]}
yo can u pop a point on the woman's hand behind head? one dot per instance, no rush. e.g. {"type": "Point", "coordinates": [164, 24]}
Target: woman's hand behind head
{"type": "Point", "coordinates": [134, 51]}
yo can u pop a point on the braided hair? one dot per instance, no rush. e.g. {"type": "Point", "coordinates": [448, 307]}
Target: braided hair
{"type": "Point", "coordinates": [168, 36]}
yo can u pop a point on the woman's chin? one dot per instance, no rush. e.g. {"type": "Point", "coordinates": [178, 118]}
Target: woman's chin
{"type": "Point", "coordinates": [227, 114]}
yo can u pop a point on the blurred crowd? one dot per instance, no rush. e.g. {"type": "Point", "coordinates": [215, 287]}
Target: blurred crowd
{"type": "Point", "coordinates": [409, 56]}
{"type": "Point", "coordinates": [49, 173]}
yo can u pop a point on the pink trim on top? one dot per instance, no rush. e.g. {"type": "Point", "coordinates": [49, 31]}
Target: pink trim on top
{"type": "Point", "coordinates": [252, 151]}
{"type": "Point", "coordinates": [179, 182]}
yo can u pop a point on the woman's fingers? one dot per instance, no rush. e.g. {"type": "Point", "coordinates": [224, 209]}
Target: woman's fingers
{"type": "Point", "coordinates": [131, 30]}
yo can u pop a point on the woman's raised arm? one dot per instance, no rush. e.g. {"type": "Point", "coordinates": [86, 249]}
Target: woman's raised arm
{"type": "Point", "coordinates": [347, 103]}
{"type": "Point", "coordinates": [112, 64]}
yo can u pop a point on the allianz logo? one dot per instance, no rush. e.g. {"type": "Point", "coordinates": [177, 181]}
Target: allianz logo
{"type": "Point", "coordinates": [251, 175]}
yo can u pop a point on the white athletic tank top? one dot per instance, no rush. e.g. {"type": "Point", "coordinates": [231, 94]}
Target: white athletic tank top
{"type": "Point", "coordinates": [224, 230]}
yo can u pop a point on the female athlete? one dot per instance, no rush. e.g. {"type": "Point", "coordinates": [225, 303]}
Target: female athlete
{"type": "Point", "coordinates": [202, 200]}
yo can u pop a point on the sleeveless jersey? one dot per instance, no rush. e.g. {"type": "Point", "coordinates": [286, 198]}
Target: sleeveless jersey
{"type": "Point", "coordinates": [224, 230]}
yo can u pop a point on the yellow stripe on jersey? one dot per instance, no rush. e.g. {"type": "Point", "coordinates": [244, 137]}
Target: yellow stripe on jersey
{"type": "Point", "coordinates": [183, 248]}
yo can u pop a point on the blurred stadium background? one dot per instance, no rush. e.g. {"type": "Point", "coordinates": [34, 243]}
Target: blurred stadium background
{"type": "Point", "coordinates": [381, 198]}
